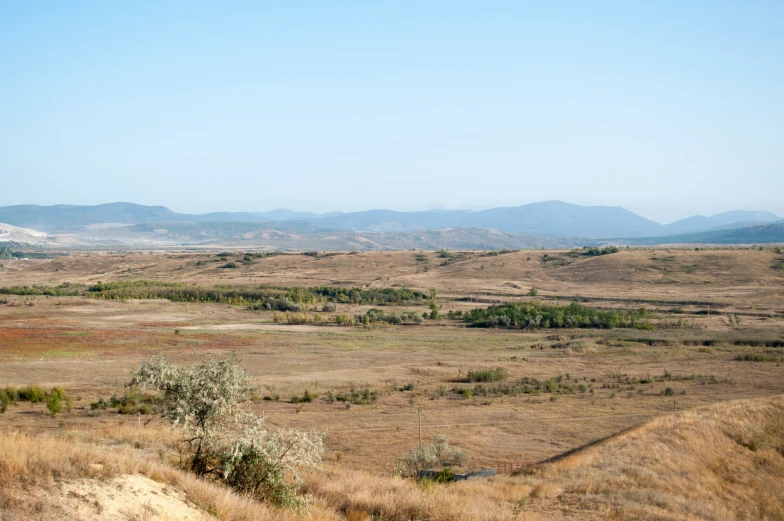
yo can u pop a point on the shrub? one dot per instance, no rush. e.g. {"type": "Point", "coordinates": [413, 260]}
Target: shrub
{"type": "Point", "coordinates": [205, 401]}
{"type": "Point", "coordinates": [355, 397]}
{"type": "Point", "coordinates": [465, 392]}
{"type": "Point", "coordinates": [410, 386]}
{"type": "Point", "coordinates": [668, 391]}
{"type": "Point", "coordinates": [53, 404]}
{"type": "Point", "coordinates": [533, 292]}
{"type": "Point", "coordinates": [10, 393]}
{"type": "Point", "coordinates": [499, 374]}
{"type": "Point", "coordinates": [437, 453]}
{"type": "Point", "coordinates": [532, 315]}
{"type": "Point", "coordinates": [54, 399]}
{"type": "Point", "coordinates": [32, 394]}
{"type": "Point", "coordinates": [269, 465]}
{"type": "Point", "coordinates": [307, 397]}
{"type": "Point", "coordinates": [755, 358]}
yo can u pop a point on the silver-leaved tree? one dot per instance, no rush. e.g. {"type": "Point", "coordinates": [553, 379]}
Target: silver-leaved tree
{"type": "Point", "coordinates": [208, 402]}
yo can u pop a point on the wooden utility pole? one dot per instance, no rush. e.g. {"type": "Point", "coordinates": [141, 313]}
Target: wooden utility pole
{"type": "Point", "coordinates": [420, 428]}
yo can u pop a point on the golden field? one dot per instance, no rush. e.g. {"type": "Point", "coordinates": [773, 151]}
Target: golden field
{"type": "Point", "coordinates": [710, 447]}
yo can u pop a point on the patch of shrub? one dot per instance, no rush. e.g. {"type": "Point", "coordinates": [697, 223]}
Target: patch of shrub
{"type": "Point", "coordinates": [756, 358]}
{"type": "Point", "coordinates": [499, 374]}
{"type": "Point", "coordinates": [32, 394]}
{"type": "Point", "coordinates": [437, 453]}
{"type": "Point", "coordinates": [355, 396]}
{"type": "Point", "coordinates": [307, 397]}
{"type": "Point", "coordinates": [532, 315]}
{"type": "Point", "coordinates": [375, 315]}
{"type": "Point", "coordinates": [227, 442]}
{"type": "Point", "coordinates": [465, 392]}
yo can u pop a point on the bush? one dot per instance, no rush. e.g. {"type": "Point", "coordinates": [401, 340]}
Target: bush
{"type": "Point", "coordinates": [532, 315]}
{"type": "Point", "coordinates": [10, 393]}
{"type": "Point", "coordinates": [356, 397]}
{"type": "Point", "coordinates": [756, 358]}
{"type": "Point", "coordinates": [54, 399]}
{"type": "Point", "coordinates": [465, 392]}
{"type": "Point", "coordinates": [307, 397]}
{"type": "Point", "coordinates": [438, 453]}
{"type": "Point", "coordinates": [269, 465]}
{"type": "Point", "coordinates": [499, 374]}
{"type": "Point", "coordinates": [205, 401]}
{"type": "Point", "coordinates": [32, 394]}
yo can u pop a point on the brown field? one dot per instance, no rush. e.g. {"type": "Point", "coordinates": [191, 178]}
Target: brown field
{"type": "Point", "coordinates": [729, 301]}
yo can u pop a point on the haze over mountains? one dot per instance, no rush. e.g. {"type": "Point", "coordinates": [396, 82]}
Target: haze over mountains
{"type": "Point", "coordinates": [562, 224]}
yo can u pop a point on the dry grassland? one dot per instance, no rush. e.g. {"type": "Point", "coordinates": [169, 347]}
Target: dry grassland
{"type": "Point", "coordinates": [730, 302]}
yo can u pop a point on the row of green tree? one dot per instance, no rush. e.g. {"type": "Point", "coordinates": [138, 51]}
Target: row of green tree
{"type": "Point", "coordinates": [260, 297]}
{"type": "Point", "coordinates": [531, 315]}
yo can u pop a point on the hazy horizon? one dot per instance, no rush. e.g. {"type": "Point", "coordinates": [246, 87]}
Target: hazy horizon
{"type": "Point", "coordinates": [666, 109]}
{"type": "Point", "coordinates": [477, 209]}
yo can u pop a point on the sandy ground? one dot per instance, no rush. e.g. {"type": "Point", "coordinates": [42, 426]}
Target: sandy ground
{"type": "Point", "coordinates": [129, 497]}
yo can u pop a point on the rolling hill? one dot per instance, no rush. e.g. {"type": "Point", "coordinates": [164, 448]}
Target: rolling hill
{"type": "Point", "coordinates": [548, 224]}
{"type": "Point", "coordinates": [757, 234]}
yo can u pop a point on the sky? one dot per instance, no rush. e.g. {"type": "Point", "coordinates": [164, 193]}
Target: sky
{"type": "Point", "coordinates": [667, 108]}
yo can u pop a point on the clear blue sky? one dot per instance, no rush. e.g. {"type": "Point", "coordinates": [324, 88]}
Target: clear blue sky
{"type": "Point", "coordinates": [668, 108]}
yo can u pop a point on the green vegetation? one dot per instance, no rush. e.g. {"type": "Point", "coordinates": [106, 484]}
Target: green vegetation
{"type": "Point", "coordinates": [439, 453]}
{"type": "Point", "coordinates": [7, 253]}
{"type": "Point", "coordinates": [532, 315]}
{"type": "Point", "coordinates": [596, 252]}
{"type": "Point", "coordinates": [31, 393]}
{"type": "Point", "coordinates": [63, 290]}
{"type": "Point", "coordinates": [133, 402]}
{"type": "Point", "coordinates": [450, 258]}
{"type": "Point", "coordinates": [495, 253]}
{"type": "Point", "coordinates": [54, 399]}
{"type": "Point", "coordinates": [757, 358]}
{"type": "Point", "coordinates": [499, 374]}
{"type": "Point", "coordinates": [255, 297]}
{"type": "Point", "coordinates": [307, 397]}
{"type": "Point", "coordinates": [262, 297]}
{"type": "Point", "coordinates": [375, 315]}
{"type": "Point", "coordinates": [224, 441]}
{"type": "Point", "coordinates": [354, 396]}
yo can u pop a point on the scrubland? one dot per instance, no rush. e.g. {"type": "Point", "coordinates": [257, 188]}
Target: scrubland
{"type": "Point", "coordinates": [682, 421]}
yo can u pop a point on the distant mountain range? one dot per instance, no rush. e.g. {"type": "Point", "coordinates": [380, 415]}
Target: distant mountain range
{"type": "Point", "coordinates": [549, 219]}
{"type": "Point", "coordinates": [546, 224]}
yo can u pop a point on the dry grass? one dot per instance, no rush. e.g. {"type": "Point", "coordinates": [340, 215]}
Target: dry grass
{"type": "Point", "coordinates": [743, 278]}
{"type": "Point", "coordinates": [32, 466]}
{"type": "Point", "coordinates": [720, 462]}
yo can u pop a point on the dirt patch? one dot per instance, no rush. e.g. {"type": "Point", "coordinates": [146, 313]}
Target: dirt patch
{"type": "Point", "coordinates": [131, 497]}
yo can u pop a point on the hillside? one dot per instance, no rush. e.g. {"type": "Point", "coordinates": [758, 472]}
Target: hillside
{"type": "Point", "coordinates": [726, 220]}
{"type": "Point", "coordinates": [756, 234]}
{"type": "Point", "coordinates": [724, 461]}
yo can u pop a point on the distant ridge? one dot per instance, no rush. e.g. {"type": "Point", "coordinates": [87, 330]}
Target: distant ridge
{"type": "Point", "coordinates": [757, 234]}
{"type": "Point", "coordinates": [552, 219]}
